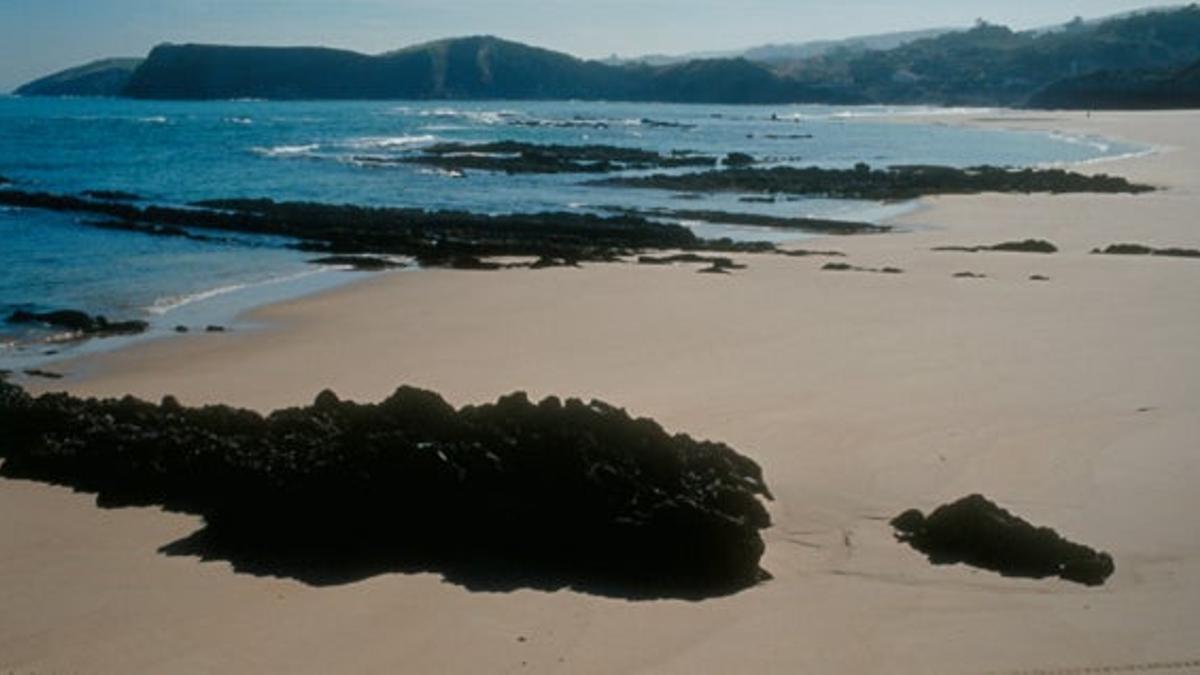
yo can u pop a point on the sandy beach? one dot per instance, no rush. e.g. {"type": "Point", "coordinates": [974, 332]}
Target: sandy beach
{"type": "Point", "coordinates": [1074, 402]}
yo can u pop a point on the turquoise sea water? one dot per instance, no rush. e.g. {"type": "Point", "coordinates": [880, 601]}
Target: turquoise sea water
{"type": "Point", "coordinates": [175, 153]}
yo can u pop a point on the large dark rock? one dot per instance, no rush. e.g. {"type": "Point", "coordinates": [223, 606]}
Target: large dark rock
{"type": "Point", "coordinates": [80, 322]}
{"type": "Point", "coordinates": [503, 495]}
{"type": "Point", "coordinates": [977, 532]}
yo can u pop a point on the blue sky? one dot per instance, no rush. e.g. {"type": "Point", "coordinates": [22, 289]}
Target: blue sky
{"type": "Point", "coordinates": [41, 36]}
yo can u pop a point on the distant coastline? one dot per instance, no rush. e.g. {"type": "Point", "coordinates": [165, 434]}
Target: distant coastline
{"type": "Point", "coordinates": [1147, 60]}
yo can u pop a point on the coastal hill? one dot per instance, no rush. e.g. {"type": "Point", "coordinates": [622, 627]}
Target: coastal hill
{"type": "Point", "coordinates": [1072, 65]}
{"type": "Point", "coordinates": [106, 77]}
{"type": "Point", "coordinates": [994, 65]}
{"type": "Point", "coordinates": [464, 68]}
{"type": "Point", "coordinates": [1125, 90]}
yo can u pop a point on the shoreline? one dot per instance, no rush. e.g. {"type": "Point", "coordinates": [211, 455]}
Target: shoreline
{"type": "Point", "coordinates": [1074, 402]}
{"type": "Point", "coordinates": [903, 216]}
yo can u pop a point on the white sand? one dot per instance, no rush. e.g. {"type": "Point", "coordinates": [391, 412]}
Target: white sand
{"type": "Point", "coordinates": [1074, 402]}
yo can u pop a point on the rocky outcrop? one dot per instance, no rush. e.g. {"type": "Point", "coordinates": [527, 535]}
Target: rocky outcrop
{"type": "Point", "coordinates": [515, 157]}
{"type": "Point", "coordinates": [897, 182]}
{"type": "Point", "coordinates": [503, 495]}
{"type": "Point", "coordinates": [1026, 246]}
{"type": "Point", "coordinates": [79, 322]}
{"type": "Point", "coordinates": [975, 531]}
{"type": "Point", "coordinates": [1142, 249]}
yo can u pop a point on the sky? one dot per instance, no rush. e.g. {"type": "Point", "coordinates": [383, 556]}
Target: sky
{"type": "Point", "coordinates": [38, 37]}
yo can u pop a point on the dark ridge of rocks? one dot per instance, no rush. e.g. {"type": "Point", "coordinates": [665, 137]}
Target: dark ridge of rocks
{"type": "Point", "coordinates": [153, 230]}
{"type": "Point", "coordinates": [757, 200]}
{"type": "Point", "coordinates": [1039, 277]}
{"type": "Point", "coordinates": [1142, 249]}
{"type": "Point", "coordinates": [662, 124]}
{"type": "Point", "coordinates": [804, 253]}
{"type": "Point", "coordinates": [515, 157]}
{"type": "Point", "coordinates": [500, 496]}
{"type": "Point", "coordinates": [738, 159]}
{"type": "Point", "coordinates": [822, 225]}
{"type": "Point", "coordinates": [979, 533]}
{"type": "Point", "coordinates": [1026, 246]}
{"type": "Point", "coordinates": [969, 275]}
{"type": "Point", "coordinates": [44, 374]}
{"type": "Point", "coordinates": [82, 323]}
{"type": "Point", "coordinates": [112, 195]}
{"type": "Point", "coordinates": [359, 263]}
{"type": "Point", "coordinates": [215, 329]}
{"type": "Point", "coordinates": [716, 264]}
{"type": "Point", "coordinates": [847, 267]}
{"type": "Point", "coordinates": [893, 183]}
{"type": "Point", "coordinates": [434, 236]}
{"type": "Point", "coordinates": [181, 329]}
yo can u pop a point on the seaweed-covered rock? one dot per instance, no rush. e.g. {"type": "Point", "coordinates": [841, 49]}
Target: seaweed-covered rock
{"type": "Point", "coordinates": [569, 493]}
{"type": "Point", "coordinates": [977, 532]}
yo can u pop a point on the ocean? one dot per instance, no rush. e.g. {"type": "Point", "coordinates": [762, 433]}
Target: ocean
{"type": "Point", "coordinates": [180, 152]}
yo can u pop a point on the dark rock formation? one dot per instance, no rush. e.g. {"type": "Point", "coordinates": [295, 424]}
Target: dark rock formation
{"type": "Point", "coordinates": [969, 275]}
{"type": "Point", "coordinates": [181, 329]}
{"type": "Point", "coordinates": [804, 253]}
{"type": "Point", "coordinates": [716, 264]}
{"type": "Point", "coordinates": [433, 237]}
{"type": "Point", "coordinates": [1142, 249]}
{"type": "Point", "coordinates": [822, 225]}
{"type": "Point", "coordinates": [1026, 246]}
{"type": "Point", "coordinates": [500, 496]}
{"type": "Point", "coordinates": [738, 159]}
{"type": "Point", "coordinates": [863, 182]}
{"type": "Point", "coordinates": [215, 329]}
{"type": "Point", "coordinates": [518, 157]}
{"type": "Point", "coordinates": [80, 322]}
{"type": "Point", "coordinates": [977, 532]}
{"type": "Point", "coordinates": [1039, 277]}
{"type": "Point", "coordinates": [847, 267]}
{"type": "Point", "coordinates": [44, 374]}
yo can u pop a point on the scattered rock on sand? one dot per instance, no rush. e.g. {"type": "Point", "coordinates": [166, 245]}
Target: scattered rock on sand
{"type": "Point", "coordinates": [977, 532]}
{"type": "Point", "coordinates": [1142, 249]}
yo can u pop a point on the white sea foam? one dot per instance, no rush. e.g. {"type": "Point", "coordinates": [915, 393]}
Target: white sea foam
{"type": "Point", "coordinates": [239, 120]}
{"type": "Point", "coordinates": [286, 150]}
{"type": "Point", "coordinates": [171, 303]}
{"type": "Point", "coordinates": [157, 119]}
{"type": "Point", "coordinates": [390, 142]}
